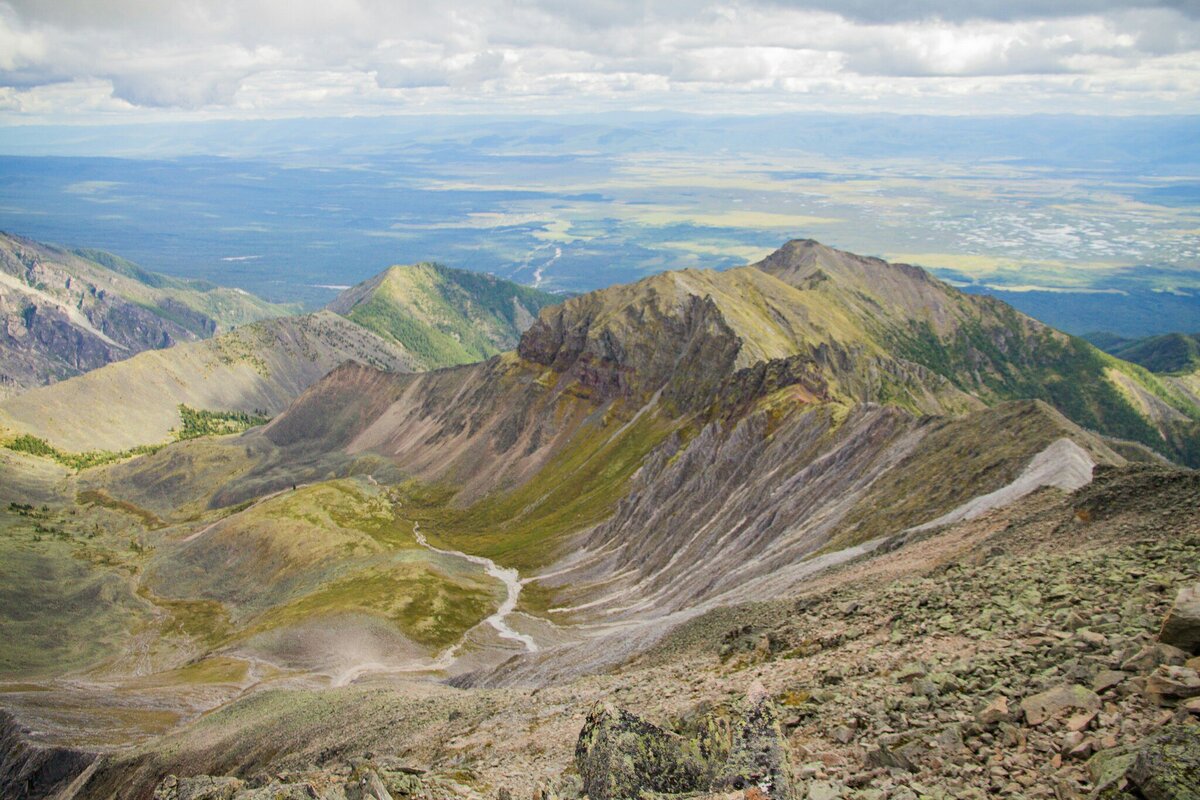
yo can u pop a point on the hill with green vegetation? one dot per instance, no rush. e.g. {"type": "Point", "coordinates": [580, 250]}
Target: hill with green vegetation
{"type": "Point", "coordinates": [64, 312]}
{"type": "Point", "coordinates": [443, 316]}
{"type": "Point", "coordinates": [255, 370]}
{"type": "Point", "coordinates": [1168, 353]}
{"type": "Point", "coordinates": [405, 319]}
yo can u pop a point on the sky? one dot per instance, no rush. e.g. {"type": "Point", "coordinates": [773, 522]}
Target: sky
{"type": "Point", "coordinates": [98, 61]}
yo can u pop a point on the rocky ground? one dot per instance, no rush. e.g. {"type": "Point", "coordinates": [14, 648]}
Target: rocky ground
{"type": "Point", "coordinates": [1022, 654]}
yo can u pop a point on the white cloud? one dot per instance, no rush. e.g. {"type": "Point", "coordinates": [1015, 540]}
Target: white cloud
{"type": "Point", "coordinates": [318, 57]}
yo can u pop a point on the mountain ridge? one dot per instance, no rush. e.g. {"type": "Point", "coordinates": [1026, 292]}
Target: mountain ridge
{"type": "Point", "coordinates": [262, 367]}
{"type": "Point", "coordinates": [64, 312]}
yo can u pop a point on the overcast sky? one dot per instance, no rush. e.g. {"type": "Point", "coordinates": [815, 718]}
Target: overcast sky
{"type": "Point", "coordinates": [129, 60]}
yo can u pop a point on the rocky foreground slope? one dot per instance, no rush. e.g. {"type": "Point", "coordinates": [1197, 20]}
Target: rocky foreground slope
{"type": "Point", "coordinates": [1021, 654]}
{"type": "Point", "coordinates": [826, 476]}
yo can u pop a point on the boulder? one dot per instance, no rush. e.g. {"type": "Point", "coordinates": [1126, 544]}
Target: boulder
{"type": "Point", "coordinates": [757, 757]}
{"type": "Point", "coordinates": [1152, 655]}
{"type": "Point", "coordinates": [995, 712]}
{"type": "Point", "coordinates": [1165, 766]}
{"type": "Point", "coordinates": [734, 746]}
{"type": "Point", "coordinates": [1043, 706]}
{"type": "Point", "coordinates": [197, 787]}
{"type": "Point", "coordinates": [1181, 627]}
{"type": "Point", "coordinates": [1168, 685]}
{"type": "Point", "coordinates": [620, 755]}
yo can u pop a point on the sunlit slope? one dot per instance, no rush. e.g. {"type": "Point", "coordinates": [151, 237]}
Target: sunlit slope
{"type": "Point", "coordinates": [405, 319]}
{"type": "Point", "coordinates": [990, 350]}
{"type": "Point", "coordinates": [838, 356]}
{"type": "Point", "coordinates": [260, 367]}
{"type": "Point", "coordinates": [65, 312]}
{"type": "Point", "coordinates": [330, 549]}
{"type": "Point", "coordinates": [443, 316]}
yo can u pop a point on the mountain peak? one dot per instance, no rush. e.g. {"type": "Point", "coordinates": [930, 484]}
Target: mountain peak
{"type": "Point", "coordinates": [800, 260]}
{"type": "Point", "coordinates": [442, 315]}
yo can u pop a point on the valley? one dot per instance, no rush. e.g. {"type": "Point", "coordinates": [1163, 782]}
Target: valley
{"type": "Point", "coordinates": [476, 512]}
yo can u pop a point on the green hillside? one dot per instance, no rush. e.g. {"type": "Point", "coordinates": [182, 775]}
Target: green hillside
{"type": "Point", "coordinates": [443, 316]}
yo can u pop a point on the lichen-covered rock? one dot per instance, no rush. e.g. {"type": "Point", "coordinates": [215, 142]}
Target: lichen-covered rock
{"type": "Point", "coordinates": [197, 787]}
{"type": "Point", "coordinates": [281, 791]}
{"type": "Point", "coordinates": [733, 746]}
{"type": "Point", "coordinates": [1164, 767]}
{"type": "Point", "coordinates": [1181, 627]}
{"type": "Point", "coordinates": [620, 755]}
{"type": "Point", "coordinates": [756, 757]}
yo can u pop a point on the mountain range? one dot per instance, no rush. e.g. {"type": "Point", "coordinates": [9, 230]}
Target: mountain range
{"type": "Point", "coordinates": [476, 510]}
{"type": "Point", "coordinates": [407, 318]}
{"type": "Point", "coordinates": [65, 312]}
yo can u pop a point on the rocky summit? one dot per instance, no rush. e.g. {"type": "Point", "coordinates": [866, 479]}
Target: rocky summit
{"type": "Point", "coordinates": [816, 527]}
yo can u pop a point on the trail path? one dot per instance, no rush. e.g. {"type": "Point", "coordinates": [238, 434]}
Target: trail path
{"type": "Point", "coordinates": [256, 504]}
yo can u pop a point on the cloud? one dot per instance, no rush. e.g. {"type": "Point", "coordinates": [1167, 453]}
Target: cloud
{"type": "Point", "coordinates": [372, 56]}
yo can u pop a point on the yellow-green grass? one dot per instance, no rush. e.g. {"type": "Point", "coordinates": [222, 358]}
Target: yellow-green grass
{"type": "Point", "coordinates": [206, 671]}
{"type": "Point", "coordinates": [524, 527]}
{"type": "Point", "coordinates": [66, 600]}
{"type": "Point", "coordinates": [426, 604]}
{"type": "Point", "coordinates": [315, 551]}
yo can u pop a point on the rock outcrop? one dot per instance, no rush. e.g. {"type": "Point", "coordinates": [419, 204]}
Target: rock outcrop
{"type": "Point", "coordinates": [739, 747]}
{"type": "Point", "coordinates": [31, 771]}
{"type": "Point", "coordinates": [1165, 766]}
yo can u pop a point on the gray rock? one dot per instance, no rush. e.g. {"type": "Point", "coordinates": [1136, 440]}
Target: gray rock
{"type": "Point", "coordinates": [1153, 655]}
{"type": "Point", "coordinates": [1182, 624]}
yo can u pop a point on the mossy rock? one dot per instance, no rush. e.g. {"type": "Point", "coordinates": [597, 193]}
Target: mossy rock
{"type": "Point", "coordinates": [1164, 767]}
{"type": "Point", "coordinates": [620, 755]}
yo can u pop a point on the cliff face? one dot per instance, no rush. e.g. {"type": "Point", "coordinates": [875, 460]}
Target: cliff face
{"type": "Point", "coordinates": [684, 350]}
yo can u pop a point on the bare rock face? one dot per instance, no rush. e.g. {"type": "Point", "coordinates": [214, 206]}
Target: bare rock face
{"type": "Point", "coordinates": [1181, 627]}
{"type": "Point", "coordinates": [649, 345]}
{"type": "Point", "coordinates": [730, 747]}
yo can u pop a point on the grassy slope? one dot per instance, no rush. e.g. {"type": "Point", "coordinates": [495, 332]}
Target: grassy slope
{"type": "Point", "coordinates": [443, 316]}
{"type": "Point", "coordinates": [989, 349]}
{"type": "Point", "coordinates": [328, 548]}
{"type": "Point", "coordinates": [522, 527]}
{"type": "Point", "coordinates": [1170, 353]}
{"type": "Point", "coordinates": [66, 586]}
{"type": "Point", "coordinates": [256, 368]}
